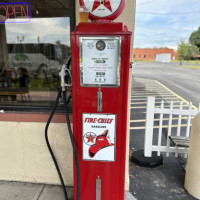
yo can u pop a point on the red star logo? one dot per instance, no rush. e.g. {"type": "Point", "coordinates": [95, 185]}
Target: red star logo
{"type": "Point", "coordinates": [106, 3]}
{"type": "Point", "coordinates": [90, 138]}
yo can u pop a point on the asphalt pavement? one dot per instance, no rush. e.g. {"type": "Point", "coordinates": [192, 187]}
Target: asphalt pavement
{"type": "Point", "coordinates": [183, 81]}
{"type": "Point", "coordinates": [166, 82]}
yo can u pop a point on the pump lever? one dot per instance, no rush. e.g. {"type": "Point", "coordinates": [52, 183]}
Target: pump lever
{"type": "Point", "coordinates": [99, 101]}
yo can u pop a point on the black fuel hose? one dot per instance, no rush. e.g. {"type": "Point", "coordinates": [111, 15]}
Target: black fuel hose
{"type": "Point", "coordinates": [49, 146]}
{"type": "Point", "coordinates": [73, 146]}
{"type": "Point", "coordinates": [71, 138]}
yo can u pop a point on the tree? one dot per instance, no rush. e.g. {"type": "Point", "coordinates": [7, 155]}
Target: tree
{"type": "Point", "coordinates": [195, 38]}
{"type": "Point", "coordinates": [187, 51]}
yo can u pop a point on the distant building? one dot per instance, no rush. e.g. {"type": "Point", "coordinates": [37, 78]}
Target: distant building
{"type": "Point", "coordinates": [148, 54]}
{"type": "Point", "coordinates": [198, 57]}
{"type": "Point", "coordinates": [164, 57]}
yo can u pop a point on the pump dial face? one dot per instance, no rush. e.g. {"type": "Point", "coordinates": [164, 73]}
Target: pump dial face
{"type": "Point", "coordinates": [100, 45]}
{"type": "Point", "coordinates": [103, 9]}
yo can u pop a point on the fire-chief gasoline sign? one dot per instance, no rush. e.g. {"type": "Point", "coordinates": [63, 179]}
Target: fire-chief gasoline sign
{"type": "Point", "coordinates": [99, 132]}
{"type": "Point", "coordinates": [103, 9]}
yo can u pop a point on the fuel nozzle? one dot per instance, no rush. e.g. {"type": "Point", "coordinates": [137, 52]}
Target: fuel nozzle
{"type": "Point", "coordinates": [65, 76]}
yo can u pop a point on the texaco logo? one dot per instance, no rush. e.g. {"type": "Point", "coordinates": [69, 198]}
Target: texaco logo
{"type": "Point", "coordinates": [102, 8]}
{"type": "Point", "coordinates": [90, 138]}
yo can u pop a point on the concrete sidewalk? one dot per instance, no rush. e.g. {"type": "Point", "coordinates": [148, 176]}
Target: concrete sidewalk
{"type": "Point", "coordinates": [28, 191]}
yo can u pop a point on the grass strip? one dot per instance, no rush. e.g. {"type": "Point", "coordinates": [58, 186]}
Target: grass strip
{"type": "Point", "coordinates": [191, 66]}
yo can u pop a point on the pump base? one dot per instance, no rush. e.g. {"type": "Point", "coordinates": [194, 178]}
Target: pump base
{"type": "Point", "coordinates": [142, 161]}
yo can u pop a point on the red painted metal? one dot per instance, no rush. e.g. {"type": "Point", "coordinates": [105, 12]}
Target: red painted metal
{"type": "Point", "coordinates": [112, 174]}
{"type": "Point", "coordinates": [108, 5]}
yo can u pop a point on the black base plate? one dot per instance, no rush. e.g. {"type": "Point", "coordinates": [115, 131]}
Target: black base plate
{"type": "Point", "coordinates": [153, 161]}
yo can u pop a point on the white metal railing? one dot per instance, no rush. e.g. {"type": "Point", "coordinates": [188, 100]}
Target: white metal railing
{"type": "Point", "coordinates": [168, 111]}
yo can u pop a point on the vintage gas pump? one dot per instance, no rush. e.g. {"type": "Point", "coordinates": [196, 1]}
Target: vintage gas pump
{"type": "Point", "coordinates": [100, 72]}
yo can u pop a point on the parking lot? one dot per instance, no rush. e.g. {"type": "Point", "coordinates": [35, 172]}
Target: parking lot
{"type": "Point", "coordinates": [183, 81]}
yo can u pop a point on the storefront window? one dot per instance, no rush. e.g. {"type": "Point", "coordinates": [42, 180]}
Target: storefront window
{"type": "Point", "coordinates": [36, 51]}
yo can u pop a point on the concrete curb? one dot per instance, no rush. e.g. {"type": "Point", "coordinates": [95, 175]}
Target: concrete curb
{"type": "Point", "coordinates": [129, 196]}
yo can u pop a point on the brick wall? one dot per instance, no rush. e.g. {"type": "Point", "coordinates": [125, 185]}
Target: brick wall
{"type": "Point", "coordinates": [150, 54]}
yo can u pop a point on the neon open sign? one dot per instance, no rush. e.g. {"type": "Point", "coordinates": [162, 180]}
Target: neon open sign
{"type": "Point", "coordinates": [18, 12]}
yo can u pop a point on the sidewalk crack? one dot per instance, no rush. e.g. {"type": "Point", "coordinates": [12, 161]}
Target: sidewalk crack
{"type": "Point", "coordinates": [40, 193]}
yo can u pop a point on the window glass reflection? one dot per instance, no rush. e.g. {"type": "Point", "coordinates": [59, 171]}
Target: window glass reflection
{"type": "Point", "coordinates": [35, 55]}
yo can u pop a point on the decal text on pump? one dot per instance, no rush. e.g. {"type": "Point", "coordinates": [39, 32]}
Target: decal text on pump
{"type": "Point", "coordinates": [100, 120]}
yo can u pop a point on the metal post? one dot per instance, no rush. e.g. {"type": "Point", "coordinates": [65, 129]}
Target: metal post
{"type": "Point", "coordinates": [149, 127]}
{"type": "Point", "coordinates": [3, 48]}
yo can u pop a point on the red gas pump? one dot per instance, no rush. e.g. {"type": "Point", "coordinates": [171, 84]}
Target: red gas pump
{"type": "Point", "coordinates": [100, 73]}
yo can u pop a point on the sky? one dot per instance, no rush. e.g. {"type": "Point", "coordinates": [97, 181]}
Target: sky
{"type": "Point", "coordinates": [168, 28]}
{"type": "Point", "coordinates": [157, 24]}
{"type": "Point", "coordinates": [49, 30]}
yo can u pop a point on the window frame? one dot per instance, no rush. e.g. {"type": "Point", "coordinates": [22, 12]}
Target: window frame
{"type": "Point", "coordinates": [42, 109]}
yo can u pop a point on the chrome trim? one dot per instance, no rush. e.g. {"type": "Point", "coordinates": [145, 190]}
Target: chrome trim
{"type": "Point", "coordinates": [98, 188]}
{"type": "Point", "coordinates": [99, 101]}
